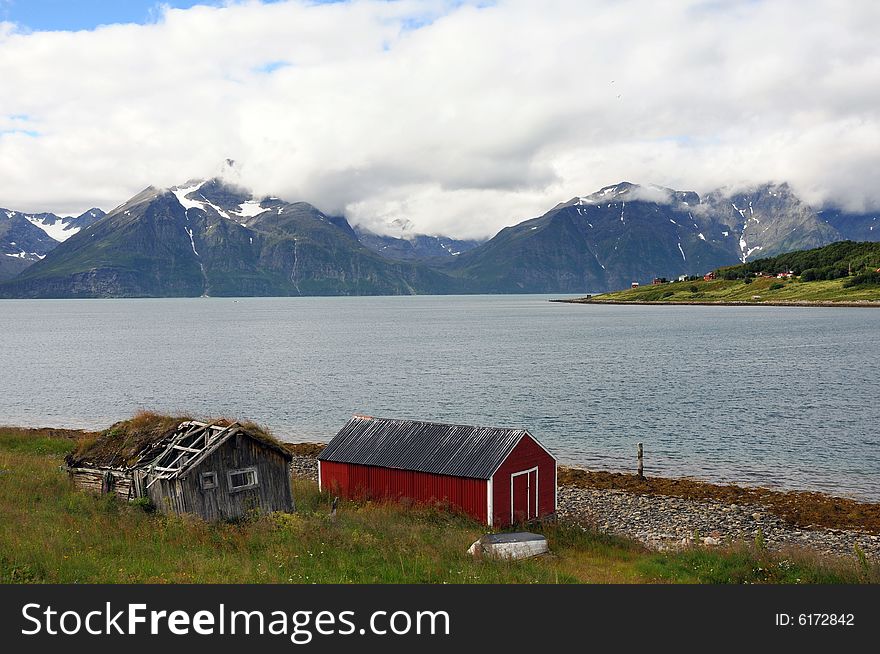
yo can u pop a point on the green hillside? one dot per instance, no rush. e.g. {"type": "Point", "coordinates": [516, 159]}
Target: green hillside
{"type": "Point", "coordinates": [834, 261]}
{"type": "Point", "coordinates": [840, 273]}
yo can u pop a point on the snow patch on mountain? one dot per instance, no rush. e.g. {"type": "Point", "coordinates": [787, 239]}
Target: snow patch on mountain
{"type": "Point", "coordinates": [249, 209]}
{"type": "Point", "coordinates": [192, 241]}
{"type": "Point", "coordinates": [55, 230]}
{"type": "Point", "coordinates": [29, 256]}
{"type": "Point", "coordinates": [188, 203]}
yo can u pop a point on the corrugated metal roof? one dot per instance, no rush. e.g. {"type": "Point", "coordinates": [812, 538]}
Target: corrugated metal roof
{"type": "Point", "coordinates": [458, 450]}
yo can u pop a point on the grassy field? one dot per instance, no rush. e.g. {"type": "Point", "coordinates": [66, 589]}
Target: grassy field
{"type": "Point", "coordinates": [760, 291]}
{"type": "Point", "coordinates": [51, 533]}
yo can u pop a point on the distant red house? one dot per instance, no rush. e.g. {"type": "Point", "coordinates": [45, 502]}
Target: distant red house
{"type": "Point", "coordinates": [785, 275]}
{"type": "Point", "coordinates": [498, 476]}
{"type": "Point", "coordinates": [657, 281]}
{"type": "Point", "coordinates": [709, 276]}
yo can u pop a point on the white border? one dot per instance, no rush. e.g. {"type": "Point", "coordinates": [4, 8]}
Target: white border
{"type": "Point", "coordinates": [537, 484]}
{"type": "Point", "coordinates": [489, 502]}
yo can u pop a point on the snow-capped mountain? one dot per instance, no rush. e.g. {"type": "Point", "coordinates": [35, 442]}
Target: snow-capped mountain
{"type": "Point", "coordinates": [767, 220]}
{"type": "Point", "coordinates": [213, 237]}
{"type": "Point", "coordinates": [29, 237]}
{"type": "Point", "coordinates": [626, 232]}
{"type": "Point", "coordinates": [412, 246]}
{"type": "Point", "coordinates": [58, 228]}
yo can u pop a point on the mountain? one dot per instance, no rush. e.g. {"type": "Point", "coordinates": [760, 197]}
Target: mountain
{"type": "Point", "coordinates": [27, 238]}
{"type": "Point", "coordinates": [601, 241]}
{"type": "Point", "coordinates": [626, 232]}
{"type": "Point", "coordinates": [213, 238]}
{"type": "Point", "coordinates": [413, 246]}
{"type": "Point", "coordinates": [853, 226]}
{"type": "Point", "coordinates": [82, 221]}
{"type": "Point", "coordinates": [21, 243]}
{"type": "Point", "coordinates": [767, 220]}
{"type": "Point", "coordinates": [56, 227]}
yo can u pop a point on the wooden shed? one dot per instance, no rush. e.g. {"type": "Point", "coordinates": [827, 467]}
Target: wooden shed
{"type": "Point", "coordinates": [498, 476]}
{"type": "Point", "coordinates": [216, 471]}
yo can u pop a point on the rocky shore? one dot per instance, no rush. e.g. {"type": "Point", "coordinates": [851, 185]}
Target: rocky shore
{"type": "Point", "coordinates": [662, 522]}
{"type": "Point", "coordinates": [665, 522]}
{"type": "Point", "coordinates": [305, 467]}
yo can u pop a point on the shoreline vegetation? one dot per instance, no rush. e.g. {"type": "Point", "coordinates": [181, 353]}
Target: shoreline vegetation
{"type": "Point", "coordinates": [843, 274]}
{"type": "Point", "coordinates": [611, 528]}
{"type": "Point", "coordinates": [802, 303]}
{"type": "Point", "coordinates": [761, 291]}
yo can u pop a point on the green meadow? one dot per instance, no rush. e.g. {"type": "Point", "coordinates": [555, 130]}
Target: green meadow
{"type": "Point", "coordinates": [52, 533]}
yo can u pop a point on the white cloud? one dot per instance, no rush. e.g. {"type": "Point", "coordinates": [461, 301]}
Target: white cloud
{"type": "Point", "coordinates": [477, 119]}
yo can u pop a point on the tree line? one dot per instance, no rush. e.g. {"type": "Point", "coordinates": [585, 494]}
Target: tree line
{"type": "Point", "coordinates": [856, 260]}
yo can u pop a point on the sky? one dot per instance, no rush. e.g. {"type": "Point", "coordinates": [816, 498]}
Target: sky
{"type": "Point", "coordinates": [460, 116]}
{"type": "Point", "coordinates": [73, 15]}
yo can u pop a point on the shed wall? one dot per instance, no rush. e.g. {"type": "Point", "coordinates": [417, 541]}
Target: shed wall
{"type": "Point", "coordinates": [186, 495]}
{"type": "Point", "coordinates": [103, 480]}
{"type": "Point", "coordinates": [527, 454]}
{"type": "Point", "coordinates": [355, 481]}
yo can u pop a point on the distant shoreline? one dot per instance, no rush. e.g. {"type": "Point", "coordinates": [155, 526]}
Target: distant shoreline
{"type": "Point", "coordinates": [796, 303]}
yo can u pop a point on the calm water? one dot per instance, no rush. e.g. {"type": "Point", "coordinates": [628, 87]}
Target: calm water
{"type": "Point", "coordinates": [777, 396]}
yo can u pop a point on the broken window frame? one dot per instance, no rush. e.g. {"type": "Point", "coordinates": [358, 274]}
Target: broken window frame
{"type": "Point", "coordinates": [251, 475]}
{"type": "Point", "coordinates": [208, 480]}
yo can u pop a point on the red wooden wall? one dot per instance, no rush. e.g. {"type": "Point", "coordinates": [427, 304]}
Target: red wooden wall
{"type": "Point", "coordinates": [469, 495]}
{"type": "Point", "coordinates": [359, 482]}
{"type": "Point", "coordinates": [527, 454]}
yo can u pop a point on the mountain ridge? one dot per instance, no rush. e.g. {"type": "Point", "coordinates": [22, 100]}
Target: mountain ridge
{"type": "Point", "coordinates": [213, 237]}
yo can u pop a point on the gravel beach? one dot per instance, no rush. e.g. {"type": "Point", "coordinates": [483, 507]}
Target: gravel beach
{"type": "Point", "coordinates": [669, 522]}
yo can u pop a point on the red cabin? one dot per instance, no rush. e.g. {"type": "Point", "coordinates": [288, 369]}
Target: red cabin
{"type": "Point", "coordinates": [498, 476]}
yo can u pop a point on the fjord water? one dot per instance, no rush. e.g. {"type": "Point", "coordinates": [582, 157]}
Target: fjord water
{"type": "Point", "coordinates": [782, 397]}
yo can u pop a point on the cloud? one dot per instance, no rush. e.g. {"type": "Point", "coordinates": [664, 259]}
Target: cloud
{"type": "Point", "coordinates": [461, 117]}
{"type": "Point", "coordinates": [651, 193]}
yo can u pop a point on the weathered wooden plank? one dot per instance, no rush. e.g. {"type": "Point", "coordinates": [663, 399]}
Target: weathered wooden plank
{"type": "Point", "coordinates": [177, 439]}
{"type": "Point", "coordinates": [187, 449]}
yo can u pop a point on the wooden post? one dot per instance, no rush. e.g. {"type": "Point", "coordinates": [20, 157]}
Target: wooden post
{"type": "Point", "coordinates": [641, 469]}
{"type": "Point", "coordinates": [333, 508]}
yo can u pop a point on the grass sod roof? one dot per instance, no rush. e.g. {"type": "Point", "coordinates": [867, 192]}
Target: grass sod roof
{"type": "Point", "coordinates": [143, 437]}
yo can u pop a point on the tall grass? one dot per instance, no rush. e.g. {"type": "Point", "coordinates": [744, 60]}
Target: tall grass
{"type": "Point", "coordinates": [52, 533]}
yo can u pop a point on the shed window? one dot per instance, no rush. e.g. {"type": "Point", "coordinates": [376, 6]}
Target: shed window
{"type": "Point", "coordinates": [209, 480]}
{"type": "Point", "coordinates": [242, 479]}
